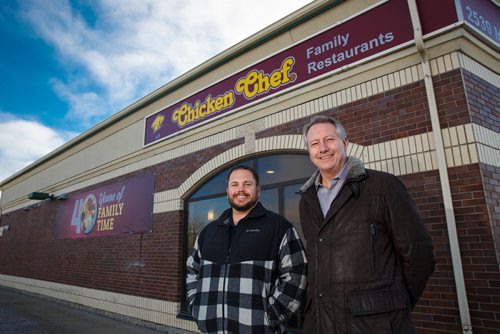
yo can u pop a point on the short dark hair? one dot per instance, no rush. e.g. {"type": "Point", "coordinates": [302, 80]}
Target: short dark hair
{"type": "Point", "coordinates": [324, 119]}
{"type": "Point", "coordinates": [250, 169]}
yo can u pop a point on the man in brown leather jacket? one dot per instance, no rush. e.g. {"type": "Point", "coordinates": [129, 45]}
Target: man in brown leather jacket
{"type": "Point", "coordinates": [369, 254]}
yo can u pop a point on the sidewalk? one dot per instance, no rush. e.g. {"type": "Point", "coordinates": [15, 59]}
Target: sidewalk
{"type": "Point", "coordinates": [23, 313]}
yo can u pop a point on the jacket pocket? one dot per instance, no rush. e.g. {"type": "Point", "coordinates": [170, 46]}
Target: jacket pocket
{"type": "Point", "coordinates": [373, 302]}
{"type": "Point", "coordinates": [378, 311]}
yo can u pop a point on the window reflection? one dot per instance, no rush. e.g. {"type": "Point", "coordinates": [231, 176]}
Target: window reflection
{"type": "Point", "coordinates": [269, 199]}
{"type": "Point", "coordinates": [200, 213]}
{"type": "Point", "coordinates": [291, 200]}
{"type": "Point", "coordinates": [271, 169]}
{"type": "Point", "coordinates": [284, 167]}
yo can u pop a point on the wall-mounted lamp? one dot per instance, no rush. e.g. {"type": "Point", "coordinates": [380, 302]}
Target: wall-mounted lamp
{"type": "Point", "coordinates": [42, 196]}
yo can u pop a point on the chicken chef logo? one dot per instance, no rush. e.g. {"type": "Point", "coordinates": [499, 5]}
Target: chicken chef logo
{"type": "Point", "coordinates": [157, 123]}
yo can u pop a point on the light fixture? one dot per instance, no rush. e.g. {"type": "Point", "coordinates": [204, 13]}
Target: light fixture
{"type": "Point", "coordinates": [211, 215]}
{"type": "Point", "coordinates": [40, 196]}
{"type": "Point", "coordinates": [269, 171]}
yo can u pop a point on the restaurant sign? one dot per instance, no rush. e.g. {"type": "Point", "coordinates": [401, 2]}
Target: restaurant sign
{"type": "Point", "coordinates": [382, 28]}
{"type": "Point", "coordinates": [365, 35]}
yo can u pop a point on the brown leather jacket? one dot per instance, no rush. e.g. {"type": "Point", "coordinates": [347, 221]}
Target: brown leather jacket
{"type": "Point", "coordinates": [369, 258]}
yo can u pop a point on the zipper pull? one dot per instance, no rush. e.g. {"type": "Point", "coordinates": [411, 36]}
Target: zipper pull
{"type": "Point", "coordinates": [373, 230]}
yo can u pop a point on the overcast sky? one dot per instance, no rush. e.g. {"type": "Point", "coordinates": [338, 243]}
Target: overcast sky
{"type": "Point", "coordinates": [67, 65]}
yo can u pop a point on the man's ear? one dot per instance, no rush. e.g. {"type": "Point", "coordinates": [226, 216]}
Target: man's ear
{"type": "Point", "coordinates": [346, 142]}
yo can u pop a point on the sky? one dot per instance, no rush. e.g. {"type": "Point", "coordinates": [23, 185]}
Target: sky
{"type": "Point", "coordinates": [66, 65]}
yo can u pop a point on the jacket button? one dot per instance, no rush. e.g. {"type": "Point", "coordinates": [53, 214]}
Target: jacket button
{"type": "Point", "coordinates": [320, 295]}
{"type": "Point", "coordinates": [320, 239]}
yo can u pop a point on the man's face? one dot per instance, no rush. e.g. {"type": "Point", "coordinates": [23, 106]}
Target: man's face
{"type": "Point", "coordinates": [242, 190]}
{"type": "Point", "coordinates": [327, 151]}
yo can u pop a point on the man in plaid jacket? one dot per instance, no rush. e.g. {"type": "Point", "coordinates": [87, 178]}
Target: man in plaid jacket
{"type": "Point", "coordinates": [247, 271]}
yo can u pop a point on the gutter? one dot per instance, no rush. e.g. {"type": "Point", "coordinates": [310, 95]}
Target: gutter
{"type": "Point", "coordinates": [458, 273]}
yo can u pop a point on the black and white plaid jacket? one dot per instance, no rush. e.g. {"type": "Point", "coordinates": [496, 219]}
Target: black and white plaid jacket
{"type": "Point", "coordinates": [251, 284]}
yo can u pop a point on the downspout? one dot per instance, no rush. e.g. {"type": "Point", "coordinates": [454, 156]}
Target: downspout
{"type": "Point", "coordinates": [463, 304]}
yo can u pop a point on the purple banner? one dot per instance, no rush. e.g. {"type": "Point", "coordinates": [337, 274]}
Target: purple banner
{"type": "Point", "coordinates": [436, 14]}
{"type": "Point", "coordinates": [379, 29]}
{"type": "Point", "coordinates": [372, 32]}
{"type": "Point", "coordinates": [125, 207]}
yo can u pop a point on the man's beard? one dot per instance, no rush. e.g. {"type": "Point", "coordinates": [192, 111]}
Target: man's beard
{"type": "Point", "coordinates": [244, 207]}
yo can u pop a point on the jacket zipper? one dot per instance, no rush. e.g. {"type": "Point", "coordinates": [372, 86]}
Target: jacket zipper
{"type": "Point", "coordinates": [224, 301]}
{"type": "Point", "coordinates": [316, 299]}
{"type": "Point", "coordinates": [317, 284]}
{"type": "Point", "coordinates": [373, 234]}
{"type": "Point", "coordinates": [224, 292]}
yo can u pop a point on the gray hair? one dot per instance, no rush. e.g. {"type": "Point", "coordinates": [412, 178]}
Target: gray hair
{"type": "Point", "coordinates": [318, 119]}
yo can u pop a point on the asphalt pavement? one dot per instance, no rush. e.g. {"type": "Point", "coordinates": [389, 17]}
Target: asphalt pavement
{"type": "Point", "coordinates": [25, 313]}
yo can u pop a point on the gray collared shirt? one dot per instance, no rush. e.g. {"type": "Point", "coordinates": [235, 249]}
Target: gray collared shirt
{"type": "Point", "coordinates": [327, 195]}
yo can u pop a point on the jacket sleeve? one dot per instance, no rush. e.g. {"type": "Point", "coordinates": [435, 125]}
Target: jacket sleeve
{"type": "Point", "coordinates": [292, 281]}
{"type": "Point", "coordinates": [193, 270]}
{"type": "Point", "coordinates": [412, 243]}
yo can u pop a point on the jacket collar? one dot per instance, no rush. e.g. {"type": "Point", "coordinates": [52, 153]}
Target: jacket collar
{"type": "Point", "coordinates": [354, 169]}
{"type": "Point", "coordinates": [257, 211]}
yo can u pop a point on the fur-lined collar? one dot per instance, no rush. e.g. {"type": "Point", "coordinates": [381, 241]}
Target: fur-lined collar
{"type": "Point", "coordinates": [355, 169]}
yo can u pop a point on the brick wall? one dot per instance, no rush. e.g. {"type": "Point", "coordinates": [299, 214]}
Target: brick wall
{"type": "Point", "coordinates": [482, 277]}
{"type": "Point", "coordinates": [484, 101]}
{"type": "Point", "coordinates": [491, 181]}
{"type": "Point", "coordinates": [397, 113]}
{"type": "Point", "coordinates": [437, 310]}
{"type": "Point", "coordinates": [145, 264]}
{"type": "Point", "coordinates": [451, 99]}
